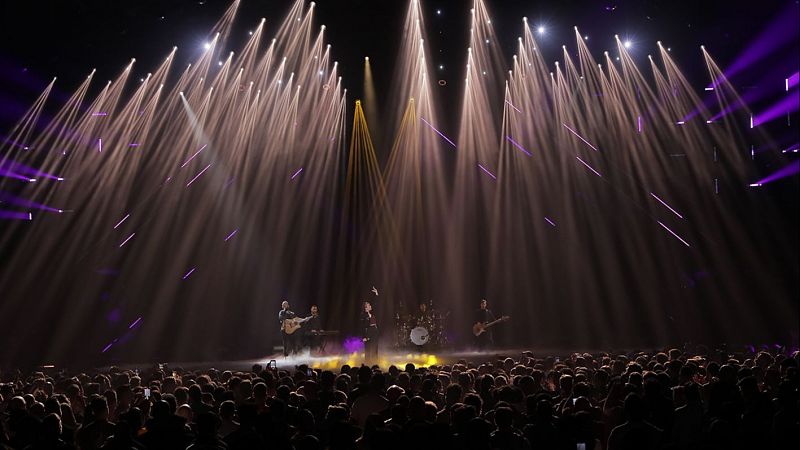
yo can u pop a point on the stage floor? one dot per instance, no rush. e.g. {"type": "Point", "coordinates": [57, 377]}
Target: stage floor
{"type": "Point", "coordinates": [399, 358]}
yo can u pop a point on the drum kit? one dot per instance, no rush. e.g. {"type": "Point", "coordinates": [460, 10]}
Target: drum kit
{"type": "Point", "coordinates": [426, 329]}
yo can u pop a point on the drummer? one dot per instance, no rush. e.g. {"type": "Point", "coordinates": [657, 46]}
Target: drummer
{"type": "Point", "coordinates": [423, 316]}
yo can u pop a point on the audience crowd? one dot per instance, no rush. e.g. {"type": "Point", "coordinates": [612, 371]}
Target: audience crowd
{"type": "Point", "coordinates": [643, 400]}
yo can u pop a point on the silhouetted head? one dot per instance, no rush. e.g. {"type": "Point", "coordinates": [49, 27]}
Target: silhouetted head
{"type": "Point", "coordinates": [634, 408]}
{"type": "Point", "coordinates": [503, 417]}
{"type": "Point", "coordinates": [51, 427]}
{"type": "Point", "coordinates": [207, 424]}
{"type": "Point", "coordinates": [99, 408]}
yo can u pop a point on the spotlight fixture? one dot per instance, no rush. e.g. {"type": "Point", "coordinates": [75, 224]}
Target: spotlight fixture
{"type": "Point", "coordinates": [540, 30]}
{"type": "Point", "coordinates": [206, 46]}
{"type": "Point", "coordinates": [627, 44]}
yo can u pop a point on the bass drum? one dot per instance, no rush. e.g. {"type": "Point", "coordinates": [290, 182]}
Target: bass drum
{"type": "Point", "coordinates": [419, 336]}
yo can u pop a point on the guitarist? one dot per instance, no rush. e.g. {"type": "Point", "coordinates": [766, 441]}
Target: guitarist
{"type": "Point", "coordinates": [484, 315]}
{"type": "Point", "coordinates": [289, 340]}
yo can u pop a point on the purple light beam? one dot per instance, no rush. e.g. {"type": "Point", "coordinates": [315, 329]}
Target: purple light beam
{"type": "Point", "coordinates": [135, 322]}
{"type": "Point", "coordinates": [100, 145]}
{"type": "Point", "coordinates": [737, 104]}
{"type": "Point", "coordinates": [487, 171]}
{"type": "Point", "coordinates": [792, 81]}
{"type": "Point", "coordinates": [581, 138]}
{"type": "Point", "coordinates": [438, 132]}
{"type": "Point", "coordinates": [198, 175]}
{"type": "Point", "coordinates": [549, 221]}
{"type": "Point", "coordinates": [589, 167]}
{"type": "Point", "coordinates": [192, 157]}
{"type": "Point", "coordinates": [516, 144]}
{"type": "Point", "coordinates": [189, 273]}
{"type": "Point", "coordinates": [296, 174]}
{"type": "Point", "coordinates": [791, 169]}
{"type": "Point", "coordinates": [18, 168]}
{"type": "Point", "coordinates": [11, 199]}
{"type": "Point", "coordinates": [16, 176]}
{"type": "Point", "coordinates": [231, 235]}
{"type": "Point", "coordinates": [15, 143]}
{"type": "Point", "coordinates": [15, 215]}
{"type": "Point", "coordinates": [782, 30]}
{"type": "Point", "coordinates": [665, 204]}
{"type": "Point", "coordinates": [787, 105]}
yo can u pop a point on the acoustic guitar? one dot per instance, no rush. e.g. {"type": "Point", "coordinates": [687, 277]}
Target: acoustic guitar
{"type": "Point", "coordinates": [289, 326]}
{"type": "Point", "coordinates": [479, 328]}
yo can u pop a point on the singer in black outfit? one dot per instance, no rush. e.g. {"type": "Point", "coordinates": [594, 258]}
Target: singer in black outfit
{"type": "Point", "coordinates": [369, 325]}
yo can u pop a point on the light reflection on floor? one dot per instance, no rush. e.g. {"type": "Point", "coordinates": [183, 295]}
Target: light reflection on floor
{"type": "Point", "coordinates": [336, 361]}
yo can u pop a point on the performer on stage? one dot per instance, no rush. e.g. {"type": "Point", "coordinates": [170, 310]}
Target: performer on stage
{"type": "Point", "coordinates": [423, 315]}
{"type": "Point", "coordinates": [289, 340]}
{"type": "Point", "coordinates": [369, 325]}
{"type": "Point", "coordinates": [313, 325]}
{"type": "Point", "coordinates": [484, 315]}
